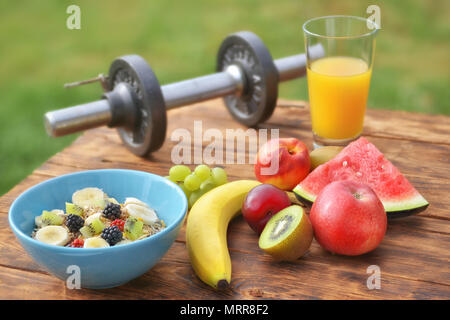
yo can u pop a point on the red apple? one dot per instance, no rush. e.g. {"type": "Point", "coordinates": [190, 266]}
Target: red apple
{"type": "Point", "coordinates": [261, 203]}
{"type": "Point", "coordinates": [282, 162]}
{"type": "Point", "coordinates": [348, 218]}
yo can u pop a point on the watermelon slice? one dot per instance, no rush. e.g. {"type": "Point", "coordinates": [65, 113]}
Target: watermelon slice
{"type": "Point", "coordinates": [361, 161]}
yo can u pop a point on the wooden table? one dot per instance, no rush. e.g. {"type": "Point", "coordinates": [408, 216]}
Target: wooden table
{"type": "Point", "coordinates": [413, 257]}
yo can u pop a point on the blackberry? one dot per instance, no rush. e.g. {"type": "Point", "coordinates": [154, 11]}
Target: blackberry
{"type": "Point", "coordinates": [74, 222]}
{"type": "Point", "coordinates": [112, 235]}
{"type": "Point", "coordinates": [112, 211]}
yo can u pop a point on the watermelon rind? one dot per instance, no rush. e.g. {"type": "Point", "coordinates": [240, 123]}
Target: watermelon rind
{"type": "Point", "coordinates": [393, 209]}
{"type": "Point", "coordinates": [303, 194]}
{"type": "Point", "coordinates": [418, 202]}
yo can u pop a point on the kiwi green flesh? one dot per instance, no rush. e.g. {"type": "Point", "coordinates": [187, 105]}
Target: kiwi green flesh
{"type": "Point", "coordinates": [95, 227]}
{"type": "Point", "coordinates": [74, 209]}
{"type": "Point", "coordinates": [133, 228]}
{"type": "Point", "coordinates": [87, 231]}
{"type": "Point", "coordinates": [280, 226]}
{"type": "Point", "coordinates": [50, 218]}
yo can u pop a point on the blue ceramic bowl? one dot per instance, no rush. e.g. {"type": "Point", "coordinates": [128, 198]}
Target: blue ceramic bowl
{"type": "Point", "coordinates": [100, 267]}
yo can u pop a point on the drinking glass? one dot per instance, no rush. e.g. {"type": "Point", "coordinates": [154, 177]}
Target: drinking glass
{"type": "Point", "coordinates": [338, 83]}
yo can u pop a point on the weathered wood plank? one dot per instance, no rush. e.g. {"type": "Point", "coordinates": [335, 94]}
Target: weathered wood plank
{"type": "Point", "coordinates": [413, 257]}
{"type": "Point", "coordinates": [173, 278]}
{"type": "Point", "coordinates": [401, 255]}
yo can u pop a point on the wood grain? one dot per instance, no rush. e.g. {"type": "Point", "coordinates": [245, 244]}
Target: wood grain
{"type": "Point", "coordinates": [414, 256]}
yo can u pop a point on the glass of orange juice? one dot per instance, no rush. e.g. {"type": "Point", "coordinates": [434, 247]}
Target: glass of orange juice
{"type": "Point", "coordinates": [338, 83]}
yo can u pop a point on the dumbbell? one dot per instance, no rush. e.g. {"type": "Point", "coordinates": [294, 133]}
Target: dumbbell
{"type": "Point", "coordinates": [134, 102]}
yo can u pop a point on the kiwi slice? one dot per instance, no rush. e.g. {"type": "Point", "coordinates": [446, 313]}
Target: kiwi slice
{"type": "Point", "coordinates": [133, 228]}
{"type": "Point", "coordinates": [51, 218]}
{"type": "Point", "coordinates": [72, 208]}
{"type": "Point", "coordinates": [287, 235]}
{"type": "Point", "coordinates": [93, 228]}
{"type": "Point", "coordinates": [323, 154]}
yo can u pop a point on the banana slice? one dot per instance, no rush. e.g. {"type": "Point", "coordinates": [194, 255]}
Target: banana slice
{"type": "Point", "coordinates": [55, 235]}
{"type": "Point", "coordinates": [89, 198]}
{"type": "Point", "coordinates": [95, 242]}
{"type": "Point", "coordinates": [147, 215]}
{"type": "Point", "coordinates": [91, 218]}
{"type": "Point", "coordinates": [38, 221]}
{"type": "Point", "coordinates": [124, 241]}
{"type": "Point", "coordinates": [136, 202]}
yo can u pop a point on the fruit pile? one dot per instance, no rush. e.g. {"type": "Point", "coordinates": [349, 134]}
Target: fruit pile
{"type": "Point", "coordinates": [94, 220]}
{"type": "Point", "coordinates": [197, 183]}
{"type": "Point", "coordinates": [353, 190]}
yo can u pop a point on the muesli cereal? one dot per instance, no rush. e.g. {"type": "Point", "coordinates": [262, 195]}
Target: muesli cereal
{"type": "Point", "coordinates": [94, 220]}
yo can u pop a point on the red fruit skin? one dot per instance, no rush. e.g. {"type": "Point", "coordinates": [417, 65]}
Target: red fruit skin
{"type": "Point", "coordinates": [261, 203]}
{"type": "Point", "coordinates": [293, 162]}
{"type": "Point", "coordinates": [344, 224]}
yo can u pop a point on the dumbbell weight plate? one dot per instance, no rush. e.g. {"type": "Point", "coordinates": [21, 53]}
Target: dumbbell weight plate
{"type": "Point", "coordinates": [149, 126]}
{"type": "Point", "coordinates": [257, 102]}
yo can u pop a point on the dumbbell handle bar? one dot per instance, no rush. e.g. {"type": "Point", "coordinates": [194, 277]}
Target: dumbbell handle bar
{"type": "Point", "coordinates": [230, 81]}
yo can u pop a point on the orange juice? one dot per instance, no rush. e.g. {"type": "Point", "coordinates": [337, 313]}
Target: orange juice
{"type": "Point", "coordinates": [338, 89]}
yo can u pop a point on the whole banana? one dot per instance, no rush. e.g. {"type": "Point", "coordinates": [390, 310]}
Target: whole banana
{"type": "Point", "coordinates": [206, 231]}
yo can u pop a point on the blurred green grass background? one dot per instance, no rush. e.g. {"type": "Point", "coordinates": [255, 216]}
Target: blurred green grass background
{"type": "Point", "coordinates": [180, 40]}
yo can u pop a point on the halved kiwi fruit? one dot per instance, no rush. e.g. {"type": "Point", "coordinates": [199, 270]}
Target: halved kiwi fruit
{"type": "Point", "coordinates": [287, 235]}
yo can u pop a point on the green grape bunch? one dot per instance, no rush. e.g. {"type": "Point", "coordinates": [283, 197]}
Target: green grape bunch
{"type": "Point", "coordinates": [195, 184]}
